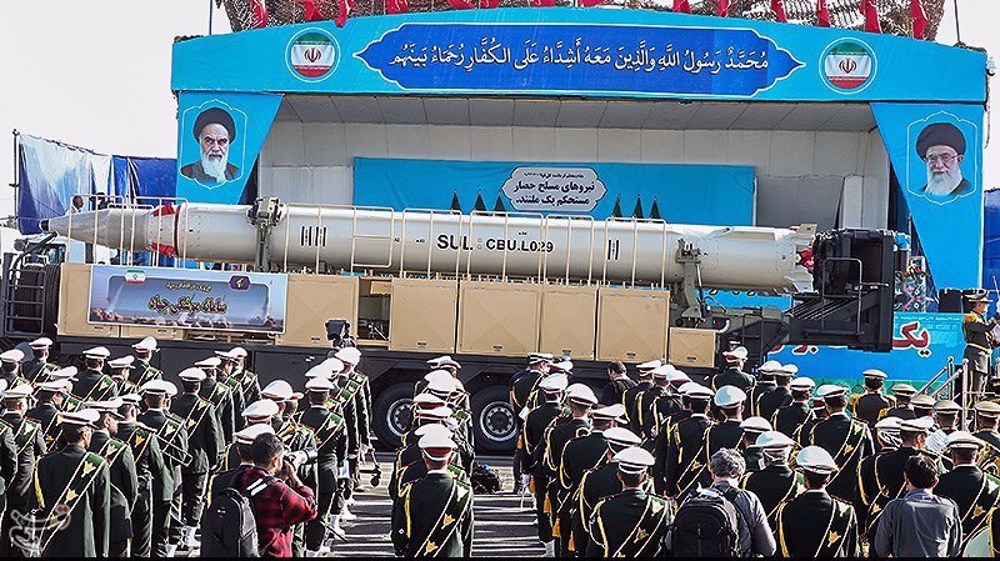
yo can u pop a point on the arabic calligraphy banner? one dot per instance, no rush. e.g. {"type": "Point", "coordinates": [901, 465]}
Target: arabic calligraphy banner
{"type": "Point", "coordinates": [685, 194]}
{"type": "Point", "coordinates": [188, 298]}
{"type": "Point", "coordinates": [591, 53]}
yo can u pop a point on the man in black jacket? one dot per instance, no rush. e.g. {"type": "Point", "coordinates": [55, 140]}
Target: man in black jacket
{"type": "Point", "coordinates": [618, 384]}
{"type": "Point", "coordinates": [28, 442]}
{"type": "Point", "coordinates": [331, 445]}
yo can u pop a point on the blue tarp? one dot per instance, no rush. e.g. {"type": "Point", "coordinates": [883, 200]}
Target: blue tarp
{"type": "Point", "coordinates": [991, 239]}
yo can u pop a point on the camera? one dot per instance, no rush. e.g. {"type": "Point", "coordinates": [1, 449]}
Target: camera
{"type": "Point", "coordinates": [338, 332]}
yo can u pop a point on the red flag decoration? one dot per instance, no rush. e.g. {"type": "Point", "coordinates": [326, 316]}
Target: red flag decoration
{"type": "Point", "coordinates": [919, 17]}
{"type": "Point", "coordinates": [870, 11]}
{"type": "Point", "coordinates": [313, 12]}
{"type": "Point", "coordinates": [397, 6]}
{"type": "Point", "coordinates": [259, 14]}
{"type": "Point", "coordinates": [723, 8]}
{"type": "Point", "coordinates": [344, 8]}
{"type": "Point", "coordinates": [590, 3]}
{"type": "Point", "coordinates": [462, 4]}
{"type": "Point", "coordinates": [682, 6]}
{"type": "Point", "coordinates": [488, 4]}
{"type": "Point", "coordinates": [778, 7]}
{"type": "Point", "coordinates": [822, 14]}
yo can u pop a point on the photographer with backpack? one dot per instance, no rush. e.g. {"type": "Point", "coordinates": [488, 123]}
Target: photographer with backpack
{"type": "Point", "coordinates": [722, 520]}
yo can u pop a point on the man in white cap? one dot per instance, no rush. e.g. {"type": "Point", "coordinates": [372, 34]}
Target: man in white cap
{"type": "Point", "coordinates": [873, 404]}
{"type": "Point", "coordinates": [122, 471]}
{"type": "Point", "coordinates": [902, 394]}
{"type": "Point", "coordinates": [296, 436]}
{"type": "Point", "coordinates": [790, 418]}
{"type": "Point", "coordinates": [224, 377]}
{"type": "Point", "coordinates": [150, 467]}
{"type": "Point", "coordinates": [92, 384]}
{"type": "Point", "coordinates": [144, 371]}
{"type": "Point", "coordinates": [37, 368]}
{"type": "Point", "coordinates": [580, 455]}
{"type": "Point", "coordinates": [752, 454]}
{"type": "Point", "coordinates": [524, 384]}
{"type": "Point", "coordinates": [234, 366]}
{"type": "Point", "coordinates": [331, 448]}
{"type": "Point", "coordinates": [205, 445]}
{"type": "Point", "coordinates": [50, 395]}
{"type": "Point", "coordinates": [21, 445]}
{"type": "Point", "coordinates": [580, 399]}
{"type": "Point", "coordinates": [846, 439]}
{"type": "Point", "coordinates": [765, 383]}
{"type": "Point", "coordinates": [631, 396]}
{"type": "Point", "coordinates": [88, 508]}
{"type": "Point", "coordinates": [686, 456]}
{"type": "Point", "coordinates": [729, 400]}
{"type": "Point", "coordinates": [120, 368]}
{"type": "Point", "coordinates": [434, 514]}
{"type": "Point", "coordinates": [598, 483]}
{"type": "Point", "coordinates": [243, 440]}
{"type": "Point", "coordinates": [780, 396]}
{"type": "Point", "coordinates": [411, 467]}
{"type": "Point", "coordinates": [658, 402]}
{"type": "Point", "coordinates": [799, 538]}
{"type": "Point", "coordinates": [946, 414]}
{"type": "Point", "coordinates": [550, 396]}
{"type": "Point", "coordinates": [631, 524]}
{"type": "Point", "coordinates": [227, 402]}
{"type": "Point", "coordinates": [355, 399]}
{"type": "Point", "coordinates": [173, 438]}
{"type": "Point", "coordinates": [734, 375]}
{"type": "Point", "coordinates": [10, 367]}
{"type": "Point", "coordinates": [975, 493]}
{"type": "Point", "coordinates": [987, 419]}
{"type": "Point", "coordinates": [777, 482]}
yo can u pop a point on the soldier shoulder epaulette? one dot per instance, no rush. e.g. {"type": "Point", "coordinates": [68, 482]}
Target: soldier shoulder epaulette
{"type": "Point", "coordinates": [5, 424]}
{"type": "Point", "coordinates": [659, 501]}
{"type": "Point", "coordinates": [842, 505]}
{"type": "Point", "coordinates": [96, 458]}
{"type": "Point", "coordinates": [970, 318]}
{"type": "Point", "coordinates": [464, 485]}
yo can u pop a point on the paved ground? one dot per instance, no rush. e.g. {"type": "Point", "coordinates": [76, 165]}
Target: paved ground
{"type": "Point", "coordinates": [502, 528]}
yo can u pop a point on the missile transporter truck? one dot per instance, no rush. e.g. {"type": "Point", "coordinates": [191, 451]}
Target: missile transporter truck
{"type": "Point", "coordinates": [286, 280]}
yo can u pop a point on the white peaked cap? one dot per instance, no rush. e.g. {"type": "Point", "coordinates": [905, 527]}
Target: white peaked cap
{"type": "Point", "coordinates": [428, 399]}
{"type": "Point", "coordinates": [162, 387]}
{"type": "Point", "coordinates": [728, 396]}
{"type": "Point", "coordinates": [333, 364]}
{"type": "Point", "coordinates": [63, 373]}
{"type": "Point", "coordinates": [433, 428]}
{"type": "Point", "coordinates": [40, 343]}
{"type": "Point", "coordinates": [96, 352]}
{"type": "Point", "coordinates": [122, 362]}
{"type": "Point", "coordinates": [634, 460]}
{"type": "Point", "coordinates": [192, 375]}
{"type": "Point", "coordinates": [350, 355]}
{"type": "Point", "coordinates": [581, 393]}
{"type": "Point", "coordinates": [649, 365]}
{"type": "Point", "coordinates": [250, 433]}
{"type": "Point", "coordinates": [774, 439]}
{"type": "Point", "coordinates": [756, 424]}
{"type": "Point", "coordinates": [609, 413]}
{"type": "Point", "coordinates": [816, 459]}
{"type": "Point", "coordinates": [621, 436]}
{"type": "Point", "coordinates": [319, 384]}
{"type": "Point", "coordinates": [85, 418]}
{"type": "Point", "coordinates": [279, 390]}
{"type": "Point", "coordinates": [554, 383]}
{"type": "Point", "coordinates": [147, 344]}
{"type": "Point", "coordinates": [261, 408]}
{"type": "Point", "coordinates": [770, 366]}
{"type": "Point", "coordinates": [803, 384]}
{"type": "Point", "coordinates": [13, 355]}
{"type": "Point", "coordinates": [209, 362]}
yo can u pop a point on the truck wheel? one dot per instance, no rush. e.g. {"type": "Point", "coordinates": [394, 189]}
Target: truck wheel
{"type": "Point", "coordinates": [493, 419]}
{"type": "Point", "coordinates": [392, 414]}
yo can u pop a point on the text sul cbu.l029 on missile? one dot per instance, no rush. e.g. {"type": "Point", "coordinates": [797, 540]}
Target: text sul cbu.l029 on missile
{"type": "Point", "coordinates": [453, 243]}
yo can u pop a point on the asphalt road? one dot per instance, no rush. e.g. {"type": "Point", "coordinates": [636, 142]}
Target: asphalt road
{"type": "Point", "coordinates": [502, 528]}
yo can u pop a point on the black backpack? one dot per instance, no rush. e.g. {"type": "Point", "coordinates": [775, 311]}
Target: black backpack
{"type": "Point", "coordinates": [228, 527]}
{"type": "Point", "coordinates": [706, 525]}
{"type": "Point", "coordinates": [485, 480]}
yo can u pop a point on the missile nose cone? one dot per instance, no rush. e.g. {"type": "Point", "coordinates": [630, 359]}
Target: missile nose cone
{"type": "Point", "coordinates": [113, 227]}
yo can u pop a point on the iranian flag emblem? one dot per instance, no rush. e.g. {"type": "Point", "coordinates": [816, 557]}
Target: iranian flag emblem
{"type": "Point", "coordinates": [133, 276]}
{"type": "Point", "coordinates": [312, 55]}
{"type": "Point", "coordinates": [848, 65]}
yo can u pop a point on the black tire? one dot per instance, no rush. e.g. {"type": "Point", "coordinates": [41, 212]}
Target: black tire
{"type": "Point", "coordinates": [493, 419]}
{"type": "Point", "coordinates": [391, 414]}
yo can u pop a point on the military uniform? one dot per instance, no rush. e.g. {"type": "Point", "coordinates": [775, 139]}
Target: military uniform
{"type": "Point", "coordinates": [153, 474]}
{"type": "Point", "coordinates": [630, 524]}
{"type": "Point", "coordinates": [205, 446]}
{"type": "Point", "coordinates": [124, 488]}
{"type": "Point", "coordinates": [21, 444]}
{"type": "Point", "coordinates": [870, 407]}
{"type": "Point", "coordinates": [774, 485]}
{"type": "Point", "coordinates": [733, 376]}
{"type": "Point", "coordinates": [662, 405]}
{"type": "Point", "coordinates": [434, 517]}
{"type": "Point", "coordinates": [167, 515]}
{"type": "Point", "coordinates": [847, 440]}
{"type": "Point", "coordinates": [615, 390]}
{"type": "Point", "coordinates": [633, 406]}
{"type": "Point", "coordinates": [36, 370]}
{"type": "Point", "coordinates": [580, 455]}
{"type": "Point", "coordinates": [904, 412]}
{"type": "Point", "coordinates": [759, 390]}
{"type": "Point", "coordinates": [685, 455]}
{"type": "Point", "coordinates": [727, 434]}
{"type": "Point", "coordinates": [595, 486]}
{"type": "Point", "coordinates": [976, 494]}
{"type": "Point", "coordinates": [879, 480]}
{"type": "Point", "coordinates": [249, 385]}
{"type": "Point", "coordinates": [978, 346]}
{"type": "Point", "coordinates": [522, 393]}
{"type": "Point", "coordinates": [815, 524]}
{"type": "Point", "coordinates": [142, 373]}
{"type": "Point", "coordinates": [221, 397]}
{"type": "Point", "coordinates": [989, 457]}
{"type": "Point", "coordinates": [79, 479]}
{"type": "Point", "coordinates": [790, 418]}
{"type": "Point", "coordinates": [331, 446]}
{"type": "Point", "coordinates": [772, 401]}
{"type": "Point", "coordinates": [553, 447]}
{"type": "Point", "coordinates": [660, 445]}
{"type": "Point", "coordinates": [93, 385]}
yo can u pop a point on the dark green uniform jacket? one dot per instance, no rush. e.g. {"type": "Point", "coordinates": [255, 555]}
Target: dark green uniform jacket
{"type": "Point", "coordinates": [847, 440]}
{"type": "Point", "coordinates": [434, 518]}
{"type": "Point", "coordinates": [814, 524]}
{"type": "Point", "coordinates": [631, 524]}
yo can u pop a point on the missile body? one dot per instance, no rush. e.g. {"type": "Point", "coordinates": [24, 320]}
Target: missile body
{"type": "Point", "coordinates": [616, 250]}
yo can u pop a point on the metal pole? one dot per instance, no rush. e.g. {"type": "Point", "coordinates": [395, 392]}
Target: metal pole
{"type": "Point", "coordinates": [965, 392]}
{"type": "Point", "coordinates": [958, 28]}
{"type": "Point", "coordinates": [211, 14]}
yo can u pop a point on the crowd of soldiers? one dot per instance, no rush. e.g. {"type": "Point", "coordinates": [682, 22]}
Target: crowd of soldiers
{"type": "Point", "coordinates": [608, 473]}
{"type": "Point", "coordinates": [112, 460]}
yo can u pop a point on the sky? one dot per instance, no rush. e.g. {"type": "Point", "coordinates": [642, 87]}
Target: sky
{"type": "Point", "coordinates": [97, 73]}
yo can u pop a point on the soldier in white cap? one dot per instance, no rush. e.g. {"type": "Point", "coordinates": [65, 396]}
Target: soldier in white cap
{"type": "Point", "coordinates": [765, 383]}
{"type": "Point", "coordinates": [144, 371]}
{"type": "Point", "coordinates": [524, 384]}
{"type": "Point", "coordinates": [173, 437]}
{"type": "Point", "coordinates": [975, 493]}
{"type": "Point", "coordinates": [92, 384]}
{"type": "Point", "coordinates": [243, 440]}
{"type": "Point", "coordinates": [296, 436]}
{"type": "Point", "coordinates": [657, 402]}
{"type": "Point", "coordinates": [549, 455]}
{"type": "Point", "coordinates": [780, 396]}
{"type": "Point", "coordinates": [632, 523]}
{"type": "Point", "coordinates": [150, 467]}
{"type": "Point", "coordinates": [902, 394]}
{"type": "Point", "coordinates": [790, 418]}
{"type": "Point", "coordinates": [550, 406]}
{"type": "Point", "coordinates": [598, 484]}
{"type": "Point", "coordinates": [234, 367]}
{"type": "Point", "coordinates": [122, 470]}
{"type": "Point", "coordinates": [987, 418]}
{"type": "Point", "coordinates": [355, 399]}
{"type": "Point", "coordinates": [734, 375]}
{"type": "Point", "coordinates": [434, 515]}
{"type": "Point", "coordinates": [120, 368]}
{"type": "Point", "coordinates": [686, 456]}
{"type": "Point", "coordinates": [727, 434]}
{"type": "Point", "coordinates": [411, 467]}
{"type": "Point", "coordinates": [87, 510]}
{"type": "Point", "coordinates": [205, 445]}
{"type": "Point", "coordinates": [37, 368]}
{"type": "Point", "coordinates": [631, 396]}
{"type": "Point", "coordinates": [839, 537]}
{"type": "Point", "coordinates": [846, 439]}
{"type": "Point", "coordinates": [21, 444]}
{"type": "Point", "coordinates": [777, 482]}
{"type": "Point", "coordinates": [753, 456]}
{"type": "Point", "coordinates": [10, 367]}
{"type": "Point", "coordinates": [873, 404]}
{"type": "Point", "coordinates": [227, 402]}
{"type": "Point", "coordinates": [331, 446]}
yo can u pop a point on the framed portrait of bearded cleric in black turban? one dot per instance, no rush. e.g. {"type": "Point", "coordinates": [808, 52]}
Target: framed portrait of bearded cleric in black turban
{"type": "Point", "coordinates": [944, 175]}
{"type": "Point", "coordinates": [214, 130]}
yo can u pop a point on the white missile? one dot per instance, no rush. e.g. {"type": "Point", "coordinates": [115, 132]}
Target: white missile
{"type": "Point", "coordinates": [769, 260]}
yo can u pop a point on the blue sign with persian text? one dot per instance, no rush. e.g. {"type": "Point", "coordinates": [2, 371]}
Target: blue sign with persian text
{"type": "Point", "coordinates": [615, 59]}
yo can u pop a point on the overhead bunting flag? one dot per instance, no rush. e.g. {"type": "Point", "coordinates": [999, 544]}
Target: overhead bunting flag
{"type": "Point", "coordinates": [462, 4]}
{"type": "Point", "coordinates": [397, 6]}
{"type": "Point", "coordinates": [312, 11]}
{"type": "Point", "coordinates": [682, 6]}
{"type": "Point", "coordinates": [822, 14]}
{"type": "Point", "coordinates": [259, 13]}
{"type": "Point", "coordinates": [541, 3]}
{"type": "Point", "coordinates": [919, 18]}
{"type": "Point", "coordinates": [723, 8]}
{"type": "Point", "coordinates": [870, 11]}
{"type": "Point", "coordinates": [488, 4]}
{"type": "Point", "coordinates": [778, 7]}
{"type": "Point", "coordinates": [344, 8]}
{"type": "Point", "coordinates": [590, 3]}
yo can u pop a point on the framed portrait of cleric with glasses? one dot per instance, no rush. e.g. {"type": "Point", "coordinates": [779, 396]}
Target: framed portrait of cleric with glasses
{"type": "Point", "coordinates": [212, 144]}
{"type": "Point", "coordinates": [943, 165]}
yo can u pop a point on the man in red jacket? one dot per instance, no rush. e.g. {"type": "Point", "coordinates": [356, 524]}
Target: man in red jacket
{"type": "Point", "coordinates": [280, 499]}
